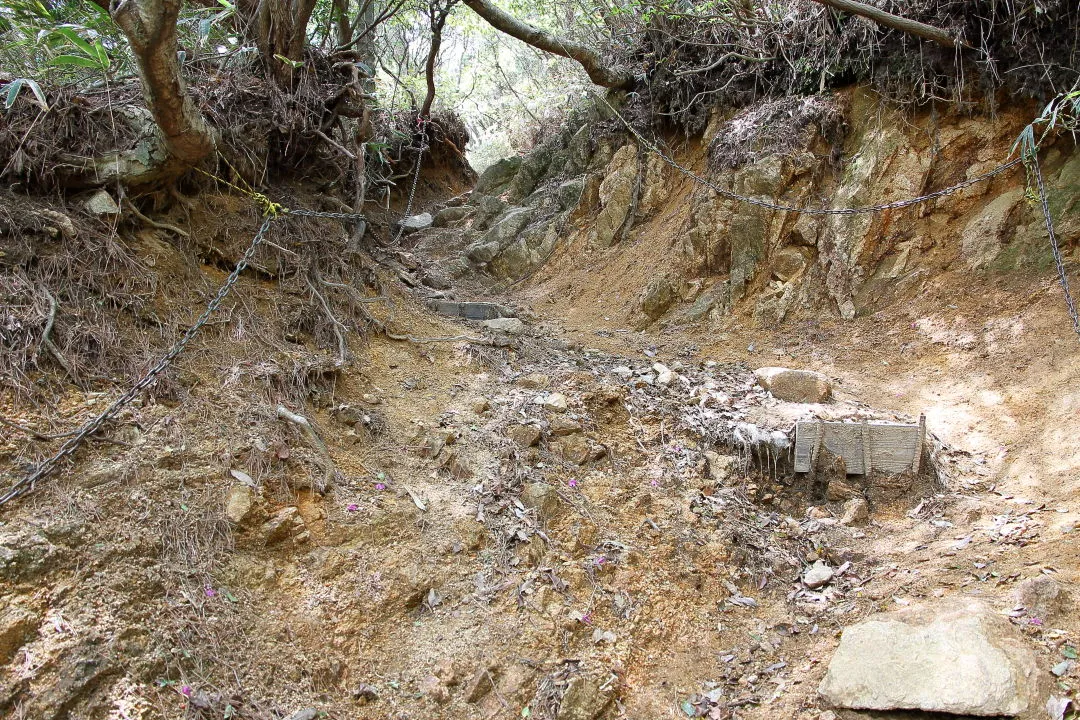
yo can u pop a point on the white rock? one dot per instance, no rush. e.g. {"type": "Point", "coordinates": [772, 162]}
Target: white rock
{"type": "Point", "coordinates": [622, 372]}
{"type": "Point", "coordinates": [101, 203]}
{"type": "Point", "coordinates": [554, 401]}
{"type": "Point", "coordinates": [819, 574]}
{"type": "Point", "coordinates": [417, 222]}
{"type": "Point", "coordinates": [957, 657]}
{"type": "Point", "coordinates": [664, 374]}
{"type": "Point", "coordinates": [510, 326]}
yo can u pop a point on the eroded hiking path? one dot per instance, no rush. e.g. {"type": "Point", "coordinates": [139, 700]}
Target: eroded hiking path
{"type": "Point", "coordinates": [560, 523]}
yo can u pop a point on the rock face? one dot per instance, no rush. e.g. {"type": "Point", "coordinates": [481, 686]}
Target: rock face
{"type": "Point", "coordinates": [802, 386]}
{"type": "Point", "coordinates": [958, 658]}
{"type": "Point", "coordinates": [16, 627]}
{"type": "Point", "coordinates": [586, 188]}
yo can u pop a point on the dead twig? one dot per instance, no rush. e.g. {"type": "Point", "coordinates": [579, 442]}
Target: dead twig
{"type": "Point", "coordinates": [343, 347]}
{"type": "Point", "coordinates": [308, 429]}
{"type": "Point", "coordinates": [48, 343]}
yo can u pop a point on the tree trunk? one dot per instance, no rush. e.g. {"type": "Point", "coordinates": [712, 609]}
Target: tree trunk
{"type": "Point", "coordinates": [547, 42]}
{"type": "Point", "coordinates": [911, 27]}
{"type": "Point", "coordinates": [438, 21]}
{"type": "Point", "coordinates": [278, 27]}
{"type": "Point", "coordinates": [343, 29]}
{"type": "Point", "coordinates": [182, 137]}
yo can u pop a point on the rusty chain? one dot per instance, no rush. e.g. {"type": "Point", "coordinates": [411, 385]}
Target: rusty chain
{"type": "Point", "coordinates": [47, 467]}
{"type": "Point", "coordinates": [1063, 278]}
{"type": "Point", "coordinates": [271, 211]}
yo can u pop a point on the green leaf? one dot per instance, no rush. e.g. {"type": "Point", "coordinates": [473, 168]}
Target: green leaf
{"type": "Point", "coordinates": [16, 85]}
{"type": "Point", "coordinates": [1070, 652]}
{"type": "Point", "coordinates": [230, 712]}
{"type": "Point", "coordinates": [229, 596]}
{"type": "Point", "coordinates": [73, 37]}
{"type": "Point", "coordinates": [75, 60]}
{"type": "Point", "coordinates": [13, 92]}
{"type": "Point", "coordinates": [101, 55]}
{"type": "Point", "coordinates": [295, 64]}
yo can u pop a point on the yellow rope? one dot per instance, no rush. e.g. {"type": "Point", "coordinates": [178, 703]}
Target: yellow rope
{"type": "Point", "coordinates": [269, 207]}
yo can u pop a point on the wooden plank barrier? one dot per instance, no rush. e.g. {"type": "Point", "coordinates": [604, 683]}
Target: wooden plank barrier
{"type": "Point", "coordinates": [863, 446]}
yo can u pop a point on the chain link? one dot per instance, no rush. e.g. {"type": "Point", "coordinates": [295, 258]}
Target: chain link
{"type": "Point", "coordinates": [1063, 277]}
{"type": "Point", "coordinates": [50, 465]}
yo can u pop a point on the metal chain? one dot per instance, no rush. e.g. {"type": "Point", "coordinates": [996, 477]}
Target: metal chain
{"type": "Point", "coordinates": [50, 465]}
{"type": "Point", "coordinates": [415, 180]}
{"type": "Point", "coordinates": [1063, 278]}
{"type": "Point", "coordinates": [334, 215]}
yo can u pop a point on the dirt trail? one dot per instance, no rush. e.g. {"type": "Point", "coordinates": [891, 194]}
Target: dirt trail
{"type": "Point", "coordinates": [523, 530]}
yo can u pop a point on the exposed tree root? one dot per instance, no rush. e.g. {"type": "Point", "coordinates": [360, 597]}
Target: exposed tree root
{"type": "Point", "coordinates": [48, 343]}
{"type": "Point", "coordinates": [308, 429]}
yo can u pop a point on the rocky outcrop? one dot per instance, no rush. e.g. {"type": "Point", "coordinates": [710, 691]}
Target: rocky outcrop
{"type": "Point", "coordinates": [958, 658]}
{"type": "Point", "coordinates": [593, 187]}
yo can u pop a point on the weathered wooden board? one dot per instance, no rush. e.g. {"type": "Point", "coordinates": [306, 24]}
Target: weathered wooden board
{"type": "Point", "coordinates": [885, 447]}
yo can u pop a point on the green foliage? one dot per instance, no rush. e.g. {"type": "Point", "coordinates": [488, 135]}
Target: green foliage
{"type": "Point", "coordinates": [1060, 114]}
{"type": "Point", "coordinates": [80, 52]}
{"type": "Point", "coordinates": [65, 42]}
{"type": "Point", "coordinates": [15, 86]}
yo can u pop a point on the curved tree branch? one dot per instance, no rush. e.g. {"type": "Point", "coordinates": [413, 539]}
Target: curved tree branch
{"type": "Point", "coordinates": [586, 57]}
{"type": "Point", "coordinates": [179, 135]}
{"type": "Point", "coordinates": [911, 27]}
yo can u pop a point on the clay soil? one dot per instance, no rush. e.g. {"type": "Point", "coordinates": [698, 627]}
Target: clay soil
{"type": "Point", "coordinates": [451, 571]}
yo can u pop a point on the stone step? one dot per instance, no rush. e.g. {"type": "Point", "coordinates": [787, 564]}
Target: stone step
{"type": "Point", "coordinates": [471, 310]}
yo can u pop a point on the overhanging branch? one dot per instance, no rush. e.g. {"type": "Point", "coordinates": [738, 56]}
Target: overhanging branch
{"type": "Point", "coordinates": [555, 45]}
{"type": "Point", "coordinates": [904, 25]}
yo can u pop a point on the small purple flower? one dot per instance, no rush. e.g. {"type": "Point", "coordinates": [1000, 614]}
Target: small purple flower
{"type": "Point", "coordinates": [1035, 621]}
{"type": "Point", "coordinates": [587, 618]}
{"type": "Point", "coordinates": [573, 483]}
{"type": "Point", "coordinates": [186, 691]}
{"type": "Point", "coordinates": [655, 483]}
{"type": "Point", "coordinates": [600, 560]}
{"type": "Point", "coordinates": [380, 486]}
{"type": "Point", "coordinates": [352, 507]}
{"type": "Point", "coordinates": [210, 591]}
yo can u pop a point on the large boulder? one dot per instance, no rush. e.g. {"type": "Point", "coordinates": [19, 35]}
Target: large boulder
{"type": "Point", "coordinates": [497, 177]}
{"type": "Point", "coordinates": [801, 386]}
{"type": "Point", "coordinates": [959, 657]}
